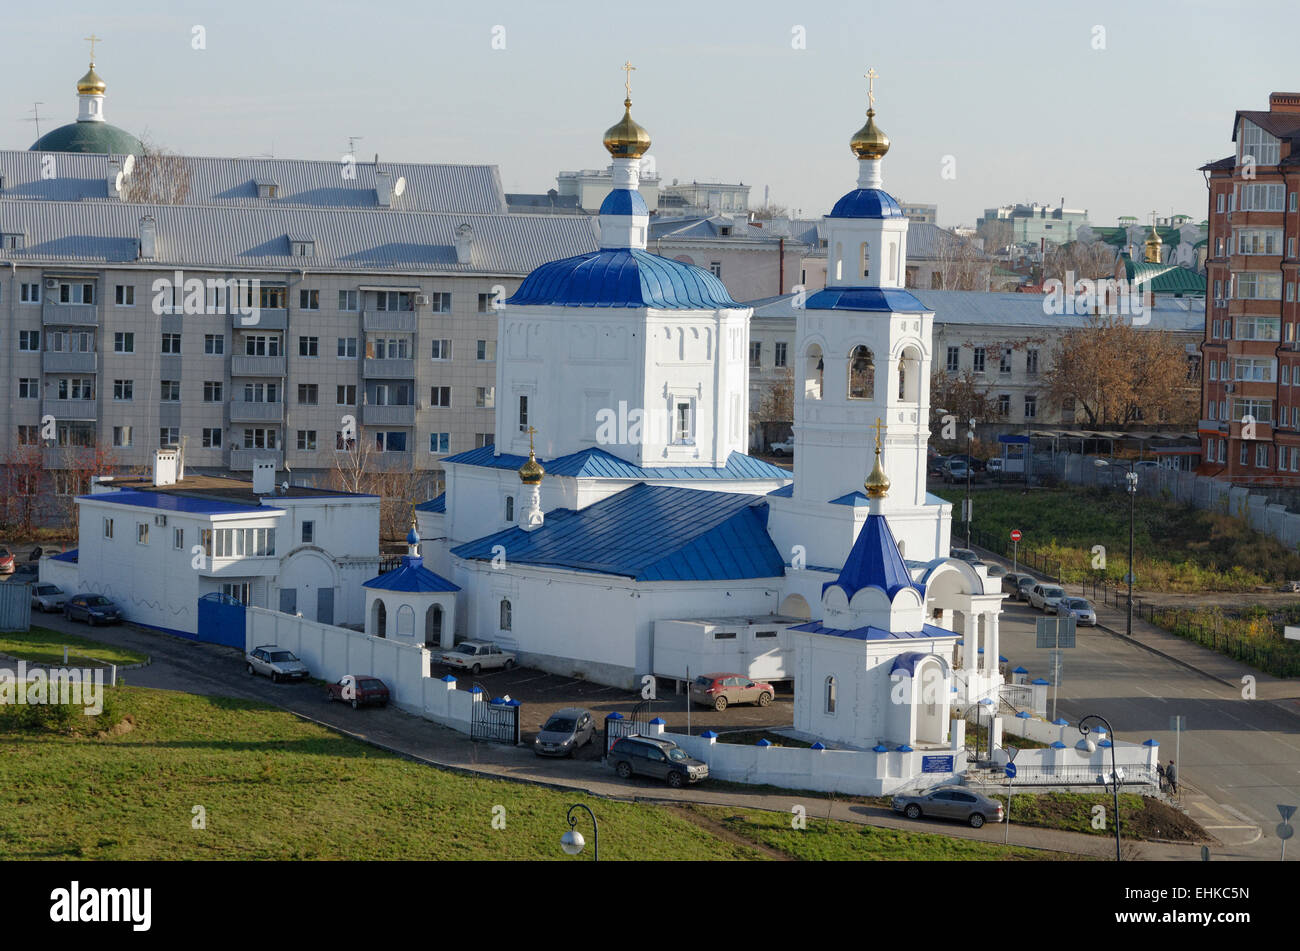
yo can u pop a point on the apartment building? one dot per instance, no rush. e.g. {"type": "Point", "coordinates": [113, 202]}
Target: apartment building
{"type": "Point", "coordinates": [278, 310]}
{"type": "Point", "coordinates": [1250, 390]}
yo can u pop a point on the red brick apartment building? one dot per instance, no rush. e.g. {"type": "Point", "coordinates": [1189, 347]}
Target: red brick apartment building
{"type": "Point", "coordinates": [1250, 380]}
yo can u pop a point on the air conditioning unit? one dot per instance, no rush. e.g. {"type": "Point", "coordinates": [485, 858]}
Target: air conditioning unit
{"type": "Point", "coordinates": [421, 300]}
{"type": "Point", "coordinates": [160, 520]}
{"type": "Point", "coordinates": [1229, 388]}
{"type": "Point", "coordinates": [51, 282]}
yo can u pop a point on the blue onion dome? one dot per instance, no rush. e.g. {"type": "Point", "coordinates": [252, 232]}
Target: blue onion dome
{"type": "Point", "coordinates": [623, 277]}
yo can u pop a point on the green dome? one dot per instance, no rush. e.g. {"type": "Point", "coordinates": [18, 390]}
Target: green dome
{"type": "Point", "coordinates": [96, 137]}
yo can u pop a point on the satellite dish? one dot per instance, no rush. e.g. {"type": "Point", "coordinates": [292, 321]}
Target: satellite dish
{"type": "Point", "coordinates": [117, 182]}
{"type": "Point", "coordinates": [399, 186]}
{"type": "Point", "coordinates": [128, 166]}
{"type": "Point", "coordinates": [284, 486]}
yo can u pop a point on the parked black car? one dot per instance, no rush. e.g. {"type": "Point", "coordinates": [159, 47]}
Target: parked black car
{"type": "Point", "coordinates": [93, 609]}
{"type": "Point", "coordinates": [661, 759]}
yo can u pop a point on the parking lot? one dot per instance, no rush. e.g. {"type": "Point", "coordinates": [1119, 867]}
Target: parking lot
{"type": "Point", "coordinates": [541, 694]}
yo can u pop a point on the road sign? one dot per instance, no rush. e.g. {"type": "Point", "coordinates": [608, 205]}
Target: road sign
{"type": "Point", "coordinates": [1291, 633]}
{"type": "Point", "coordinates": [1056, 631]}
{"type": "Point", "coordinates": [1129, 578]}
{"type": "Point", "coordinates": [1015, 535]}
{"type": "Point", "coordinates": [1286, 811]}
{"type": "Point", "coordinates": [1285, 831]}
{"type": "Point", "coordinates": [1011, 752]}
{"type": "Point", "coordinates": [1205, 853]}
{"type": "Point", "coordinates": [1011, 773]}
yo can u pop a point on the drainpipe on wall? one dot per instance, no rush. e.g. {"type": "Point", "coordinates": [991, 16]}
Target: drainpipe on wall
{"type": "Point", "coordinates": [781, 288]}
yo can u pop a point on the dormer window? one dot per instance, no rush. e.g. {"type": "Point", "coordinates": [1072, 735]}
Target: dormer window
{"type": "Point", "coordinates": [725, 230]}
{"type": "Point", "coordinates": [267, 188]}
{"type": "Point", "coordinates": [13, 241]}
{"type": "Point", "coordinates": [303, 249]}
{"type": "Point", "coordinates": [1264, 149]}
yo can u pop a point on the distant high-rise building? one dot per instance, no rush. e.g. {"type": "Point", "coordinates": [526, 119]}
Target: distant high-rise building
{"type": "Point", "coordinates": [1033, 224]}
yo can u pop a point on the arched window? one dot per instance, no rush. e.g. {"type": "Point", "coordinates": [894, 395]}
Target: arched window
{"type": "Point", "coordinates": [862, 374]}
{"type": "Point", "coordinates": [433, 626]}
{"type": "Point", "coordinates": [839, 261]}
{"type": "Point", "coordinates": [814, 367]}
{"type": "Point", "coordinates": [506, 615]}
{"type": "Point", "coordinates": [406, 621]}
{"type": "Point", "coordinates": [866, 259]}
{"type": "Point", "coordinates": [830, 694]}
{"type": "Point", "coordinates": [893, 261]}
{"type": "Point", "coordinates": [381, 619]}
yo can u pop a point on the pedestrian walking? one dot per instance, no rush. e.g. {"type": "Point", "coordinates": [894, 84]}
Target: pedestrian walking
{"type": "Point", "coordinates": [1171, 774]}
{"type": "Point", "coordinates": [1160, 772]}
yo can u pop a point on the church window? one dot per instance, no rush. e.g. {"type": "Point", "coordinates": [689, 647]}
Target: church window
{"type": "Point", "coordinates": [893, 262]}
{"type": "Point", "coordinates": [683, 422]}
{"type": "Point", "coordinates": [862, 374]}
{"type": "Point", "coordinates": [507, 616]}
{"type": "Point", "coordinates": [405, 621]}
{"type": "Point", "coordinates": [830, 695]}
{"type": "Point", "coordinates": [523, 414]}
{"type": "Point", "coordinates": [839, 261]}
{"type": "Point", "coordinates": [510, 508]}
{"type": "Point", "coordinates": [814, 367]}
{"type": "Point", "coordinates": [715, 267]}
{"type": "Point", "coordinates": [866, 259]}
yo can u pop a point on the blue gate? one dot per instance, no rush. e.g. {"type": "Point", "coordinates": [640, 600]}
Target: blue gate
{"type": "Point", "coordinates": [221, 620]}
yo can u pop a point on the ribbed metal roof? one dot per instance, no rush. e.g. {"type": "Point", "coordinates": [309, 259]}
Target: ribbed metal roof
{"type": "Point", "coordinates": [649, 533]}
{"type": "Point", "coordinates": [599, 464]}
{"type": "Point", "coordinates": [470, 189]}
{"type": "Point", "coordinates": [624, 201]}
{"type": "Point", "coordinates": [867, 203]}
{"type": "Point", "coordinates": [623, 277]}
{"type": "Point", "coordinates": [213, 236]}
{"type": "Point", "coordinates": [185, 504]}
{"type": "Point", "coordinates": [873, 562]}
{"type": "Point", "coordinates": [436, 504]}
{"type": "Point", "coordinates": [870, 633]}
{"type": "Point", "coordinates": [411, 576]}
{"type": "Point", "coordinates": [893, 300]}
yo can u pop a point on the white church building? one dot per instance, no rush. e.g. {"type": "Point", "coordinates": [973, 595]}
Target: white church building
{"type": "Point", "coordinates": [617, 529]}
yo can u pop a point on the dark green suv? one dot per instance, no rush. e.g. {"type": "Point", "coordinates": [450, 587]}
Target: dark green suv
{"type": "Point", "coordinates": [661, 759]}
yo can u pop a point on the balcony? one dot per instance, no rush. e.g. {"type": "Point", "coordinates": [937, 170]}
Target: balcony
{"type": "Point", "coordinates": [391, 461]}
{"type": "Point", "coordinates": [69, 409]}
{"type": "Point", "coordinates": [69, 315]}
{"type": "Point", "coordinates": [249, 412]}
{"type": "Point", "coordinates": [396, 321]}
{"type": "Point", "coordinates": [267, 318]}
{"type": "Point", "coordinates": [372, 415]}
{"type": "Point", "coordinates": [257, 366]}
{"type": "Point", "coordinates": [394, 369]}
{"type": "Point", "coordinates": [243, 459]}
{"type": "Point", "coordinates": [69, 362]}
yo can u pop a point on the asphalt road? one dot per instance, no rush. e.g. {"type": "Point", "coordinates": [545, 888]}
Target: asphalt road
{"type": "Point", "coordinates": [1239, 758]}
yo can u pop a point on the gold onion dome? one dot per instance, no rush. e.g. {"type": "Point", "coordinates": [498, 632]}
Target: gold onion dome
{"type": "Point", "coordinates": [626, 138]}
{"type": "Point", "coordinates": [877, 483]}
{"type": "Point", "coordinates": [869, 142]}
{"type": "Point", "coordinates": [91, 84]}
{"type": "Point", "coordinates": [531, 472]}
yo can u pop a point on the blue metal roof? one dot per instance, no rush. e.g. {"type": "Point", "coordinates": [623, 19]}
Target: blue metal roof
{"type": "Point", "coordinates": [874, 561]}
{"type": "Point", "coordinates": [892, 300]}
{"type": "Point", "coordinates": [412, 576]}
{"type": "Point", "coordinates": [870, 633]}
{"type": "Point", "coordinates": [649, 533]}
{"type": "Point", "coordinates": [907, 661]}
{"type": "Point", "coordinates": [599, 464]}
{"type": "Point", "coordinates": [623, 277]}
{"type": "Point", "coordinates": [624, 201]}
{"type": "Point", "coordinates": [436, 504]}
{"type": "Point", "coordinates": [867, 203]}
{"type": "Point", "coordinates": [853, 498]}
{"type": "Point", "coordinates": [785, 492]}
{"type": "Point", "coordinates": [184, 504]}
{"type": "Point", "coordinates": [70, 556]}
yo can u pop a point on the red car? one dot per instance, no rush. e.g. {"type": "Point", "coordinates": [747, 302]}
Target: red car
{"type": "Point", "coordinates": [6, 561]}
{"type": "Point", "coordinates": [718, 690]}
{"type": "Point", "coordinates": [359, 691]}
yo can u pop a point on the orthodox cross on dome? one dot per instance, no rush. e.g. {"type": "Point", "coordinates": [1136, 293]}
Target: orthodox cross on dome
{"type": "Point", "coordinates": [879, 427]}
{"type": "Point", "coordinates": [871, 75]}
{"type": "Point", "coordinates": [531, 430]}
{"type": "Point", "coordinates": [93, 39]}
{"type": "Point", "coordinates": [628, 68]}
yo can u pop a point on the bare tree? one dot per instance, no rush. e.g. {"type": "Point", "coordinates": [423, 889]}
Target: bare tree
{"type": "Point", "coordinates": [777, 402]}
{"type": "Point", "coordinates": [1084, 260]}
{"type": "Point", "coordinates": [23, 481]}
{"type": "Point", "coordinates": [355, 466]}
{"type": "Point", "coordinates": [79, 464]}
{"type": "Point", "coordinates": [160, 177]}
{"type": "Point", "coordinates": [771, 211]}
{"type": "Point", "coordinates": [997, 234]}
{"type": "Point", "coordinates": [961, 264]}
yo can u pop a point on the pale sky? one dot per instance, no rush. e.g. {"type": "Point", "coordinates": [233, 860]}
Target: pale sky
{"type": "Point", "coordinates": [1014, 92]}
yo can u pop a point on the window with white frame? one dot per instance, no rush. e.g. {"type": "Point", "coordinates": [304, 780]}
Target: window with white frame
{"type": "Point", "coordinates": [347, 348]}
{"type": "Point", "coordinates": [1258, 145]}
{"type": "Point", "coordinates": [1261, 197]}
{"type": "Point", "coordinates": [440, 442]}
{"type": "Point", "coordinates": [485, 350]}
{"type": "Point", "coordinates": [29, 340]}
{"type": "Point", "coordinates": [142, 533]}
{"type": "Point", "coordinates": [440, 349]}
{"type": "Point", "coordinates": [507, 615]}
{"type": "Point", "coordinates": [1259, 241]}
{"type": "Point", "coordinates": [214, 344]}
{"type": "Point", "coordinates": [347, 301]}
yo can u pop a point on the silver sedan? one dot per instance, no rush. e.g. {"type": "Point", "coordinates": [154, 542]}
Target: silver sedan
{"type": "Point", "coordinates": [1081, 608]}
{"type": "Point", "coordinates": [949, 802]}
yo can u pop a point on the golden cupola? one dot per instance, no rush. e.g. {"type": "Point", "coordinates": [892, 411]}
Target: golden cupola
{"type": "Point", "coordinates": [1152, 253]}
{"type": "Point", "coordinates": [877, 484]}
{"type": "Point", "coordinates": [91, 84]}
{"type": "Point", "coordinates": [531, 472]}
{"type": "Point", "coordinates": [626, 138]}
{"type": "Point", "coordinates": [870, 142]}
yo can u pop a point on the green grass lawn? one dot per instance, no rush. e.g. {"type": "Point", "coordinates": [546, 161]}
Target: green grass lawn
{"type": "Point", "coordinates": [1177, 547]}
{"type": "Point", "coordinates": [276, 787]}
{"type": "Point", "coordinates": [840, 841]}
{"type": "Point", "coordinates": [42, 645]}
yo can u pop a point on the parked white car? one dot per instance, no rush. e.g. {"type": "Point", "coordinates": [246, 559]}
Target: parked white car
{"type": "Point", "coordinates": [477, 655]}
{"type": "Point", "coordinates": [783, 448]}
{"type": "Point", "coordinates": [1046, 597]}
{"type": "Point", "coordinates": [276, 662]}
{"type": "Point", "coordinates": [48, 597]}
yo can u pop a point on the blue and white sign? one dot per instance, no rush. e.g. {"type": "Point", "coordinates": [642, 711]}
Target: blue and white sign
{"type": "Point", "coordinates": [936, 764]}
{"type": "Point", "coordinates": [1011, 770]}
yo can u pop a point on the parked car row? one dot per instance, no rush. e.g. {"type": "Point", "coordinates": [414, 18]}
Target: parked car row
{"type": "Point", "coordinates": [1048, 598]}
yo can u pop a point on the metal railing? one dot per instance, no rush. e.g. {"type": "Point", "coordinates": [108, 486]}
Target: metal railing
{"type": "Point", "coordinates": [1084, 776]}
{"type": "Point", "coordinates": [1027, 560]}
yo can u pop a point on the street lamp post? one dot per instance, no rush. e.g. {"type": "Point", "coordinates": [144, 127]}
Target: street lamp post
{"type": "Point", "coordinates": [970, 465]}
{"type": "Point", "coordinates": [1131, 483]}
{"type": "Point", "coordinates": [1114, 772]}
{"type": "Point", "coordinates": [572, 841]}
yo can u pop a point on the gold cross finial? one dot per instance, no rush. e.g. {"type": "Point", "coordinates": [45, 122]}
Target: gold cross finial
{"type": "Point", "coordinates": [879, 427]}
{"type": "Point", "coordinates": [531, 431]}
{"type": "Point", "coordinates": [93, 39]}
{"type": "Point", "coordinates": [871, 75]}
{"type": "Point", "coordinates": [627, 68]}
